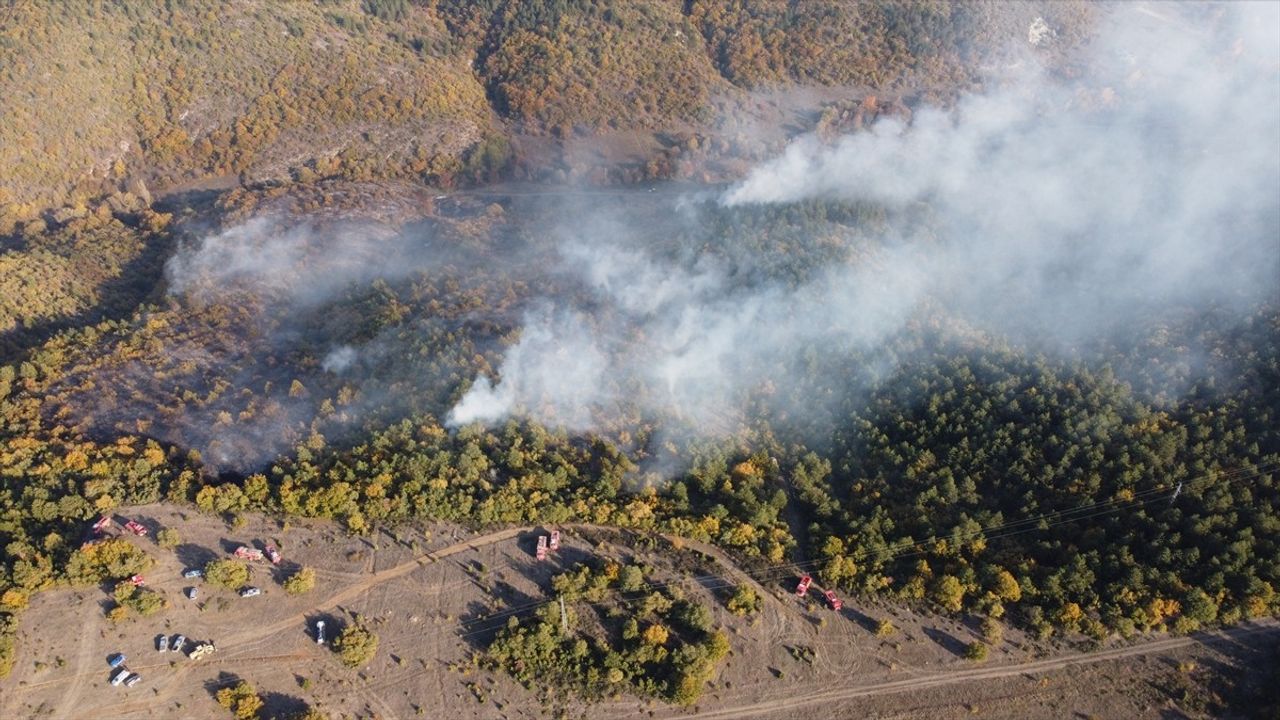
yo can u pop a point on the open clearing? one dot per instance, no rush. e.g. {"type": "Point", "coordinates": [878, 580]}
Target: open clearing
{"type": "Point", "coordinates": [434, 595]}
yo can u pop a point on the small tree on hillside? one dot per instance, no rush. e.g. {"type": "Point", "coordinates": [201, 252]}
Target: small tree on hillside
{"type": "Point", "coordinates": [356, 645]}
{"type": "Point", "coordinates": [301, 582]}
{"type": "Point", "coordinates": [168, 538]}
{"type": "Point", "coordinates": [242, 700]}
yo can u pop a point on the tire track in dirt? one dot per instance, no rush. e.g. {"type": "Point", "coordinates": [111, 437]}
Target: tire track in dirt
{"type": "Point", "coordinates": [843, 692]}
{"type": "Point", "coordinates": [71, 699]}
{"type": "Point", "coordinates": [354, 591]}
{"type": "Point", "coordinates": [84, 655]}
{"type": "Point", "coordinates": [775, 619]}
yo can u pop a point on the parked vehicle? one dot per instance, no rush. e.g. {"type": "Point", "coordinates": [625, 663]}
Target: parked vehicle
{"type": "Point", "coordinates": [250, 592]}
{"type": "Point", "coordinates": [319, 632]}
{"type": "Point", "coordinates": [120, 676]}
{"type": "Point", "coordinates": [116, 660]}
{"type": "Point", "coordinates": [802, 588]}
{"type": "Point", "coordinates": [248, 553]}
{"type": "Point", "coordinates": [192, 593]}
{"type": "Point", "coordinates": [273, 554]}
{"type": "Point", "coordinates": [136, 528]}
{"type": "Point", "coordinates": [133, 680]}
{"type": "Point", "coordinates": [193, 573]}
{"type": "Point", "coordinates": [162, 643]}
{"type": "Point", "coordinates": [179, 643]}
{"type": "Point", "coordinates": [202, 649]}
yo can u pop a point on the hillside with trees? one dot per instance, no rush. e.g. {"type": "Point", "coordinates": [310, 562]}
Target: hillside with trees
{"type": "Point", "coordinates": [109, 99]}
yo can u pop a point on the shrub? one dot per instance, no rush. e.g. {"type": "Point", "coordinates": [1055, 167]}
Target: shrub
{"type": "Point", "coordinates": [301, 582]}
{"type": "Point", "coordinates": [356, 645]}
{"type": "Point", "coordinates": [744, 601]}
{"type": "Point", "coordinates": [242, 700]}
{"type": "Point", "coordinates": [168, 538]}
{"type": "Point", "coordinates": [226, 573]}
{"type": "Point", "coordinates": [976, 650]}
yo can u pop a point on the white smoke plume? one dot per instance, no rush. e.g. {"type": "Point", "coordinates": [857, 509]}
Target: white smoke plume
{"type": "Point", "coordinates": [339, 359]}
{"type": "Point", "coordinates": [555, 372]}
{"type": "Point", "coordinates": [1065, 210]}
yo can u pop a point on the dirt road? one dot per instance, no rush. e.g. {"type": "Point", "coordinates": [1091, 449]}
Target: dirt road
{"type": "Point", "coordinates": [251, 644]}
{"type": "Point", "coordinates": [239, 642]}
{"type": "Point", "coordinates": [810, 696]}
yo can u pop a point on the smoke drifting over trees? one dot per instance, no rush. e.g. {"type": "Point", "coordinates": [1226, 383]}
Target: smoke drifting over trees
{"type": "Point", "coordinates": [1046, 212]}
{"type": "Point", "coordinates": [1060, 212]}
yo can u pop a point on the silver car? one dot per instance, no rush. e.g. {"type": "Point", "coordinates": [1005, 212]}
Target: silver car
{"type": "Point", "coordinates": [250, 592]}
{"type": "Point", "coordinates": [162, 643]}
{"type": "Point", "coordinates": [133, 680]}
{"type": "Point", "coordinates": [179, 643]}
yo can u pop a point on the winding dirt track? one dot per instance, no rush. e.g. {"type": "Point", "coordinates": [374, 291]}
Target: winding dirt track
{"type": "Point", "coordinates": [250, 632]}
{"type": "Point", "coordinates": [243, 644]}
{"type": "Point", "coordinates": [354, 591]}
{"type": "Point", "coordinates": [84, 654]}
{"type": "Point", "coordinates": [814, 697]}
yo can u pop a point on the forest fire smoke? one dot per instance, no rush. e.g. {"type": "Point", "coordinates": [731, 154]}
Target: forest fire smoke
{"type": "Point", "coordinates": [1066, 211]}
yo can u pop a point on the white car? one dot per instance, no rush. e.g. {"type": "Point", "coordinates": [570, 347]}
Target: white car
{"type": "Point", "coordinates": [162, 643]}
{"type": "Point", "coordinates": [133, 680]}
{"type": "Point", "coordinates": [120, 676]}
{"type": "Point", "coordinates": [193, 573]}
{"type": "Point", "coordinates": [319, 632]}
{"type": "Point", "coordinates": [179, 642]}
{"type": "Point", "coordinates": [192, 593]}
{"type": "Point", "coordinates": [250, 592]}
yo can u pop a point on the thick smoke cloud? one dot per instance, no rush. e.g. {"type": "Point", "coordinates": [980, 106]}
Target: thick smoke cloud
{"type": "Point", "coordinates": [1053, 213]}
{"type": "Point", "coordinates": [1070, 207]}
{"type": "Point", "coordinates": [1063, 211]}
{"type": "Point", "coordinates": [556, 370]}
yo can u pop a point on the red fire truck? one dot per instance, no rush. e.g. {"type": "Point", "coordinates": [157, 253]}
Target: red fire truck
{"type": "Point", "coordinates": [248, 553]}
{"type": "Point", "coordinates": [803, 588]}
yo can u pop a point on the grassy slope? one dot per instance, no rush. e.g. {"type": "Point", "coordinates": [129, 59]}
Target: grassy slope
{"type": "Point", "coordinates": [98, 93]}
{"type": "Point", "coordinates": [168, 91]}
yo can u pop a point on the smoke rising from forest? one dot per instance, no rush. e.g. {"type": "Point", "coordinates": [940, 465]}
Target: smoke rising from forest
{"type": "Point", "coordinates": [1046, 211]}
{"type": "Point", "coordinates": [1064, 211]}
